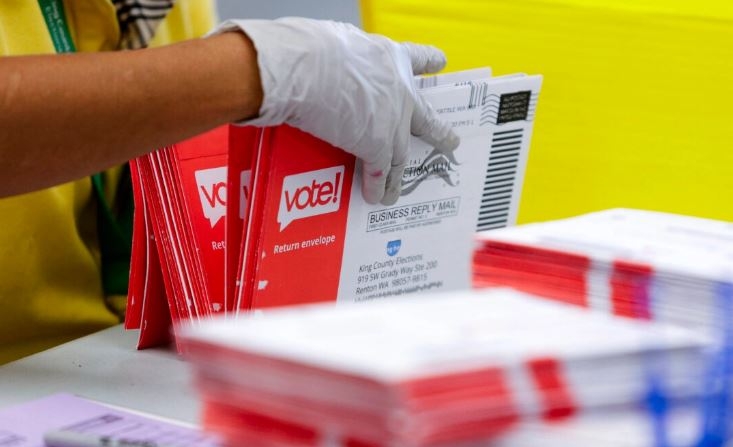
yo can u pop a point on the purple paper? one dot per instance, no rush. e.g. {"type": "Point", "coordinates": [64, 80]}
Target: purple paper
{"type": "Point", "coordinates": [24, 425]}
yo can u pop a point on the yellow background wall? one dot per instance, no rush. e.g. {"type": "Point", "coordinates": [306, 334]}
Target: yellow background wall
{"type": "Point", "coordinates": [635, 107]}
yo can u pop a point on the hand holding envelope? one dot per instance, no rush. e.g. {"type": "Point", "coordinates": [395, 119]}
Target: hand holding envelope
{"type": "Point", "coordinates": [352, 89]}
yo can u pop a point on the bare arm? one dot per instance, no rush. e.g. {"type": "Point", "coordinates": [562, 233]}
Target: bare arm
{"type": "Point", "coordinates": [65, 117]}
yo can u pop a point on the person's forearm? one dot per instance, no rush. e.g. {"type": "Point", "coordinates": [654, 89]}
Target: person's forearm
{"type": "Point", "coordinates": [66, 117]}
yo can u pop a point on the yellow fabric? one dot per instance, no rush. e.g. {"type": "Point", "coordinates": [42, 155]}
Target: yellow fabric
{"type": "Point", "coordinates": [179, 24]}
{"type": "Point", "coordinates": [635, 106]}
{"type": "Point", "coordinates": [50, 286]}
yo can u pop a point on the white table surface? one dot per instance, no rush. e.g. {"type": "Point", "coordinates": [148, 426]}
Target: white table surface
{"type": "Point", "coordinates": [106, 367]}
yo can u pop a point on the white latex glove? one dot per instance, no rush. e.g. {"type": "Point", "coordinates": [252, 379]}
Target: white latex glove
{"type": "Point", "coordinates": [352, 89]}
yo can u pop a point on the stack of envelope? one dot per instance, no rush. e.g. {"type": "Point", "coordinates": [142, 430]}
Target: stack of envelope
{"type": "Point", "coordinates": [305, 211]}
{"type": "Point", "coordinates": [177, 271]}
{"type": "Point", "coordinates": [466, 368]}
{"type": "Point", "coordinates": [632, 263]}
{"type": "Point", "coordinates": [225, 220]}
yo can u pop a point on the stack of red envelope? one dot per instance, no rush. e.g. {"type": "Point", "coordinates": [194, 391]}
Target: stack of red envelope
{"type": "Point", "coordinates": [178, 234]}
{"type": "Point", "coordinates": [631, 263]}
{"type": "Point", "coordinates": [242, 219]}
{"type": "Point", "coordinates": [441, 370]}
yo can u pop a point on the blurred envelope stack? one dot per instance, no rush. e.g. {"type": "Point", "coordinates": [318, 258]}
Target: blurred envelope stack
{"type": "Point", "coordinates": [631, 263]}
{"type": "Point", "coordinates": [173, 235]}
{"type": "Point", "coordinates": [465, 368]}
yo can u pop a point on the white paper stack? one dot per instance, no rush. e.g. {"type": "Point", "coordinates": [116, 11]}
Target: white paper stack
{"type": "Point", "coordinates": [632, 263]}
{"type": "Point", "coordinates": [628, 427]}
{"type": "Point", "coordinates": [440, 370]}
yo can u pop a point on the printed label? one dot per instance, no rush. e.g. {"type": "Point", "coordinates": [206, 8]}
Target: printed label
{"type": "Point", "coordinates": [412, 213]}
{"type": "Point", "coordinates": [310, 194]}
{"type": "Point", "coordinates": [436, 165]}
{"type": "Point", "coordinates": [396, 276]}
{"type": "Point", "coordinates": [514, 107]}
{"type": "Point", "coordinates": [212, 188]}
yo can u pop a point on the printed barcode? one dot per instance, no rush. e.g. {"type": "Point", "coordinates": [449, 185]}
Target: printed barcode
{"type": "Point", "coordinates": [478, 96]}
{"type": "Point", "coordinates": [532, 105]}
{"type": "Point", "coordinates": [501, 173]}
{"type": "Point", "coordinates": [427, 82]}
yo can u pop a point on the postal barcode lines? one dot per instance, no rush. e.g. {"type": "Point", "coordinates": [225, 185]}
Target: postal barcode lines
{"type": "Point", "coordinates": [501, 172]}
{"type": "Point", "coordinates": [506, 190]}
{"type": "Point", "coordinates": [502, 206]}
{"type": "Point", "coordinates": [490, 214]}
{"type": "Point", "coordinates": [489, 226]}
{"type": "Point", "coordinates": [494, 186]}
{"type": "Point", "coordinates": [504, 158]}
{"type": "Point", "coordinates": [510, 164]}
{"type": "Point", "coordinates": [491, 220]}
{"type": "Point", "coordinates": [508, 132]}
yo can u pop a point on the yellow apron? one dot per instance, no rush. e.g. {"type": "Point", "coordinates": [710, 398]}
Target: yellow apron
{"type": "Point", "coordinates": [50, 280]}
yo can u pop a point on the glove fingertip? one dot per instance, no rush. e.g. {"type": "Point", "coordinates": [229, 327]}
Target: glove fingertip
{"type": "Point", "coordinates": [394, 186]}
{"type": "Point", "coordinates": [436, 60]}
{"type": "Point", "coordinates": [389, 199]}
{"type": "Point", "coordinates": [372, 188]}
{"type": "Point", "coordinates": [450, 142]}
{"type": "Point", "coordinates": [425, 58]}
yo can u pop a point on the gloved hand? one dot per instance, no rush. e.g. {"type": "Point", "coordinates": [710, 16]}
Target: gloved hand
{"type": "Point", "coordinates": [352, 89]}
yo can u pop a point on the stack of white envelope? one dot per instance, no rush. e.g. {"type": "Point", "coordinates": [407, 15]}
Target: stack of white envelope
{"type": "Point", "coordinates": [632, 263]}
{"type": "Point", "coordinates": [627, 427]}
{"type": "Point", "coordinates": [466, 368]}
